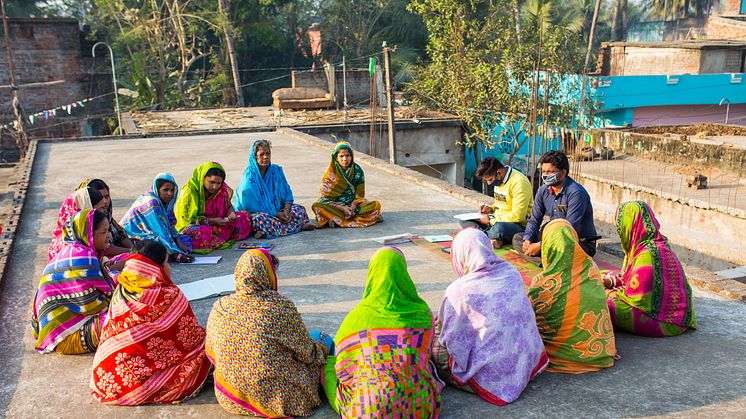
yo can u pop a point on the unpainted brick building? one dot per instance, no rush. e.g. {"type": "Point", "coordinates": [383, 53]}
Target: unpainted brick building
{"type": "Point", "coordinates": [52, 50]}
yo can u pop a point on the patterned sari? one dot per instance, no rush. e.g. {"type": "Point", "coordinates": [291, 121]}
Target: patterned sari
{"type": "Point", "coordinates": [149, 219]}
{"type": "Point", "coordinates": [73, 294]}
{"type": "Point", "coordinates": [76, 201]}
{"type": "Point", "coordinates": [266, 363]}
{"type": "Point", "coordinates": [570, 304]}
{"type": "Point", "coordinates": [152, 348]}
{"type": "Point", "coordinates": [654, 298]}
{"type": "Point", "coordinates": [383, 364]}
{"type": "Point", "coordinates": [193, 208]}
{"type": "Point", "coordinates": [265, 195]}
{"type": "Point", "coordinates": [486, 336]}
{"type": "Point", "coordinates": [345, 187]}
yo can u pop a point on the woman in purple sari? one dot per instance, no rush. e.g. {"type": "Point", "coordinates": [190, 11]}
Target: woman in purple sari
{"type": "Point", "coordinates": [486, 341]}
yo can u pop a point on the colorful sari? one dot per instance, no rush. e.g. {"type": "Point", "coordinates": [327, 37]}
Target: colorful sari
{"type": "Point", "coordinates": [383, 364]}
{"type": "Point", "coordinates": [152, 349]}
{"type": "Point", "coordinates": [76, 201]}
{"type": "Point", "coordinates": [486, 336]}
{"type": "Point", "coordinates": [73, 294]}
{"type": "Point", "coordinates": [264, 196]}
{"type": "Point", "coordinates": [654, 298]}
{"type": "Point", "coordinates": [149, 219]}
{"type": "Point", "coordinates": [193, 208]}
{"type": "Point", "coordinates": [345, 187]}
{"type": "Point", "coordinates": [570, 304]}
{"type": "Point", "coordinates": [266, 363]}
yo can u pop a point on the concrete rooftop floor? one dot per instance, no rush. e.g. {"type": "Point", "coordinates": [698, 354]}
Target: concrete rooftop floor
{"type": "Point", "coordinates": [698, 374]}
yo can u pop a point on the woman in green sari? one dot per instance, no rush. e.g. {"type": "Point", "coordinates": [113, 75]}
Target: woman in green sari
{"type": "Point", "coordinates": [204, 211]}
{"type": "Point", "coordinates": [569, 300]}
{"type": "Point", "coordinates": [342, 202]}
{"type": "Point", "coordinates": [382, 364]}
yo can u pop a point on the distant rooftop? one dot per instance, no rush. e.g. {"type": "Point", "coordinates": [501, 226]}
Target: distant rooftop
{"type": "Point", "coordinates": [688, 44]}
{"type": "Point", "coordinates": [261, 117]}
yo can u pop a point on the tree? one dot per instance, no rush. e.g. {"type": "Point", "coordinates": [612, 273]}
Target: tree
{"type": "Point", "coordinates": [480, 71]}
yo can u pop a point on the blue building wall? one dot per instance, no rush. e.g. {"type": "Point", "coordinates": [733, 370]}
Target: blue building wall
{"type": "Point", "coordinates": [617, 97]}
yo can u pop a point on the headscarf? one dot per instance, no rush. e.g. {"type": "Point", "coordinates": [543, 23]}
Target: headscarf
{"type": "Point", "coordinates": [152, 349]}
{"type": "Point", "coordinates": [149, 218]}
{"type": "Point", "coordinates": [78, 200]}
{"type": "Point", "coordinates": [653, 278]}
{"type": "Point", "coordinates": [190, 206]}
{"type": "Point", "coordinates": [343, 186]}
{"type": "Point", "coordinates": [488, 325]}
{"type": "Point", "coordinates": [266, 194]}
{"type": "Point", "coordinates": [117, 232]}
{"type": "Point", "coordinates": [266, 363]}
{"type": "Point", "coordinates": [390, 299]}
{"type": "Point", "coordinates": [73, 287]}
{"type": "Point", "coordinates": [569, 300]}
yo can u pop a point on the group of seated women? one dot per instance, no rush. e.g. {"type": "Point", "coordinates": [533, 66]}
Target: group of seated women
{"type": "Point", "coordinates": [390, 357]}
{"type": "Point", "coordinates": [202, 218]}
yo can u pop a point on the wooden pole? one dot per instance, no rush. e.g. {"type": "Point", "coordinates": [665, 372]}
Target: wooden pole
{"type": "Point", "coordinates": [21, 139]}
{"type": "Point", "coordinates": [390, 102]}
{"type": "Point", "coordinates": [231, 53]}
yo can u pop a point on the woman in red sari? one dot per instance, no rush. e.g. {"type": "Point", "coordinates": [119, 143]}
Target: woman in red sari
{"type": "Point", "coordinates": [205, 213]}
{"type": "Point", "coordinates": [151, 350]}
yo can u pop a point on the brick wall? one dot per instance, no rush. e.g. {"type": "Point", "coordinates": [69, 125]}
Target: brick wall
{"type": "Point", "coordinates": [47, 50]}
{"type": "Point", "coordinates": [358, 84]}
{"type": "Point", "coordinates": [729, 7]}
{"type": "Point", "coordinates": [724, 28]}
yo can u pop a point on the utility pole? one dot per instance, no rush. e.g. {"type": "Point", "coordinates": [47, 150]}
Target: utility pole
{"type": "Point", "coordinates": [231, 53]}
{"type": "Point", "coordinates": [344, 87]}
{"type": "Point", "coordinates": [390, 102]}
{"type": "Point", "coordinates": [21, 139]}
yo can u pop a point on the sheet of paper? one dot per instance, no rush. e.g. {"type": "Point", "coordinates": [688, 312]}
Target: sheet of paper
{"type": "Point", "coordinates": [468, 216]}
{"type": "Point", "coordinates": [395, 239]}
{"type": "Point", "coordinates": [208, 287]}
{"type": "Point", "coordinates": [438, 238]}
{"type": "Point", "coordinates": [205, 260]}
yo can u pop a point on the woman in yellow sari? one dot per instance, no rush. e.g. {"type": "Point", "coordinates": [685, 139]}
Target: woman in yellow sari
{"type": "Point", "coordinates": [342, 202]}
{"type": "Point", "coordinates": [569, 300]}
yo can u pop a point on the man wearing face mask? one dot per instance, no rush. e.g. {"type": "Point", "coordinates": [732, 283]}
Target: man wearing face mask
{"type": "Point", "coordinates": [558, 197]}
{"type": "Point", "coordinates": [513, 198]}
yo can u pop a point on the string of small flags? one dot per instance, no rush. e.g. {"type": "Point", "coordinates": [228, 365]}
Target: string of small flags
{"type": "Point", "coordinates": [54, 112]}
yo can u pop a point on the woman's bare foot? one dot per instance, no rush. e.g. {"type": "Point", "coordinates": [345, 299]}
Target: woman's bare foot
{"type": "Point", "coordinates": [496, 244]}
{"type": "Point", "coordinates": [308, 226]}
{"type": "Point", "coordinates": [258, 234]}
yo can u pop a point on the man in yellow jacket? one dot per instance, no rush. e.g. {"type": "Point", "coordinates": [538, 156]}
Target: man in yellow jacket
{"type": "Point", "coordinates": [513, 201]}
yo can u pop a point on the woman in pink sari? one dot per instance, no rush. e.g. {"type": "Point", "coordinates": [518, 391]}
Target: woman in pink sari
{"type": "Point", "coordinates": [205, 213]}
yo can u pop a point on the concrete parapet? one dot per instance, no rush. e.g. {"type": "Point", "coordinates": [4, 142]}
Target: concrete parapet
{"type": "Point", "coordinates": [674, 148]}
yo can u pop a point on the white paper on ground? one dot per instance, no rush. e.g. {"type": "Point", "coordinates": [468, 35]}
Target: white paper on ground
{"type": "Point", "coordinates": [395, 239]}
{"type": "Point", "coordinates": [208, 287]}
{"type": "Point", "coordinates": [468, 216]}
{"type": "Point", "coordinates": [438, 238]}
{"type": "Point", "coordinates": [205, 260]}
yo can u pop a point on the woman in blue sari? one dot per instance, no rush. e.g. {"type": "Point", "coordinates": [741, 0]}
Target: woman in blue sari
{"type": "Point", "coordinates": [266, 194]}
{"type": "Point", "coordinates": [151, 217]}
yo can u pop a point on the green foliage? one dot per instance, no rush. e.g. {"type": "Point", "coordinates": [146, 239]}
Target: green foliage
{"type": "Point", "coordinates": [482, 71]}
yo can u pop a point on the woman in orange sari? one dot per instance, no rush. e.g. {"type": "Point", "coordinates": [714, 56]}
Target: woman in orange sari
{"type": "Point", "coordinates": [569, 300]}
{"type": "Point", "coordinates": [342, 202]}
